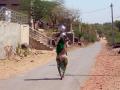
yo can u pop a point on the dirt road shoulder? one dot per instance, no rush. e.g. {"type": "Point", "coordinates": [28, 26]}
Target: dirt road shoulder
{"type": "Point", "coordinates": [105, 73]}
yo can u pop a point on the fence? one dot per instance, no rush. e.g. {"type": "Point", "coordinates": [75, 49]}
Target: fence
{"type": "Point", "coordinates": [9, 15]}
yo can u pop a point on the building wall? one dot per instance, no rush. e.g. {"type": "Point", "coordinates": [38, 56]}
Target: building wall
{"type": "Point", "coordinates": [12, 34]}
{"type": "Point", "coordinates": [25, 34]}
{"type": "Point", "coordinates": [13, 4]}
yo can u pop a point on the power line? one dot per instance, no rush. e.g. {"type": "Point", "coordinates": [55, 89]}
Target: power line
{"type": "Point", "coordinates": [94, 11]}
{"type": "Point", "coordinates": [98, 10]}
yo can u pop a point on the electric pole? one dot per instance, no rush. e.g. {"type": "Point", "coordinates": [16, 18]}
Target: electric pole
{"type": "Point", "coordinates": [112, 24]}
{"type": "Point", "coordinates": [81, 25]}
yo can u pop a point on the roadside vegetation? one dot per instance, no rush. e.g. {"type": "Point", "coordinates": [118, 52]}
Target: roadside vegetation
{"type": "Point", "coordinates": [87, 32]}
{"type": "Point", "coordinates": [53, 13]}
{"type": "Point", "coordinates": [105, 30]}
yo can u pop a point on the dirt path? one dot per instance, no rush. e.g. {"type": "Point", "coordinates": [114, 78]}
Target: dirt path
{"type": "Point", "coordinates": [106, 72]}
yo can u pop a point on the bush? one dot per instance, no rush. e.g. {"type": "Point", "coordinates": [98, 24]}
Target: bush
{"type": "Point", "coordinates": [117, 37]}
{"type": "Point", "coordinates": [22, 50]}
{"type": "Point", "coordinates": [90, 37]}
{"type": "Point", "coordinates": [110, 38]}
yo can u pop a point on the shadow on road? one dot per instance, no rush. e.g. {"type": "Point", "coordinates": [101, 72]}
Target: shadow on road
{"type": "Point", "coordinates": [82, 75]}
{"type": "Point", "coordinates": [42, 79]}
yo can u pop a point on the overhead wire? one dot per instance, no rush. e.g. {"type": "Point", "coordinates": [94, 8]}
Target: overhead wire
{"type": "Point", "coordinates": [94, 11]}
{"type": "Point", "coordinates": [117, 1]}
{"type": "Point", "coordinates": [99, 10]}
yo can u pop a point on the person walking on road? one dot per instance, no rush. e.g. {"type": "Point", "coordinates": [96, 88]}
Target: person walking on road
{"type": "Point", "coordinates": [61, 51]}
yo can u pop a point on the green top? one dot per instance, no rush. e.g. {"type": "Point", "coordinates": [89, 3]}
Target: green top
{"type": "Point", "coordinates": [60, 46]}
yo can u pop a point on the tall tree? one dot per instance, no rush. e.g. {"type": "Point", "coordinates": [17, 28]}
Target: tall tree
{"type": "Point", "coordinates": [40, 9]}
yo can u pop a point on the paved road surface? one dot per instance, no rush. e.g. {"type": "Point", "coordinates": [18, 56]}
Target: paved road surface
{"type": "Point", "coordinates": [47, 78]}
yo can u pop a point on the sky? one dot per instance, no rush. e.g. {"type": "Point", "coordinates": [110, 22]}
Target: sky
{"type": "Point", "coordinates": [95, 11]}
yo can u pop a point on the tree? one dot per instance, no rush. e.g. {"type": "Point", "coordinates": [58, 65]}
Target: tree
{"type": "Point", "coordinates": [25, 5]}
{"type": "Point", "coordinates": [42, 9]}
{"type": "Point", "coordinates": [62, 15]}
{"type": "Point", "coordinates": [50, 11]}
{"type": "Point", "coordinates": [38, 8]}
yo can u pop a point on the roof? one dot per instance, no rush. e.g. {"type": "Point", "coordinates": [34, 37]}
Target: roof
{"type": "Point", "coordinates": [9, 1]}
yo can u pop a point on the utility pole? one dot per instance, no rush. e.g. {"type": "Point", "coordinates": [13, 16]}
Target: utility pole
{"type": "Point", "coordinates": [81, 25]}
{"type": "Point", "coordinates": [113, 41]}
{"type": "Point", "coordinates": [80, 28]}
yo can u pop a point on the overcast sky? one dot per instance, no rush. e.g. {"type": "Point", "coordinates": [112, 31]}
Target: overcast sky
{"type": "Point", "coordinates": [95, 11]}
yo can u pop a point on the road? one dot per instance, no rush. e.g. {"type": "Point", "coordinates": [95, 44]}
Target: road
{"type": "Point", "coordinates": [46, 77]}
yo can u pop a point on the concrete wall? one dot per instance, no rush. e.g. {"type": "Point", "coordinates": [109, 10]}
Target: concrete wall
{"type": "Point", "coordinates": [25, 34]}
{"type": "Point", "coordinates": [12, 34]}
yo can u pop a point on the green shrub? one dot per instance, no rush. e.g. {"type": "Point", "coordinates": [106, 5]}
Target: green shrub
{"type": "Point", "coordinates": [110, 37]}
{"type": "Point", "coordinates": [117, 37]}
{"type": "Point", "coordinates": [90, 37]}
{"type": "Point", "coordinates": [23, 52]}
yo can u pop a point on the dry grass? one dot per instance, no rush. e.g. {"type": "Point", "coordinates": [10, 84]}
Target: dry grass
{"type": "Point", "coordinates": [13, 67]}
